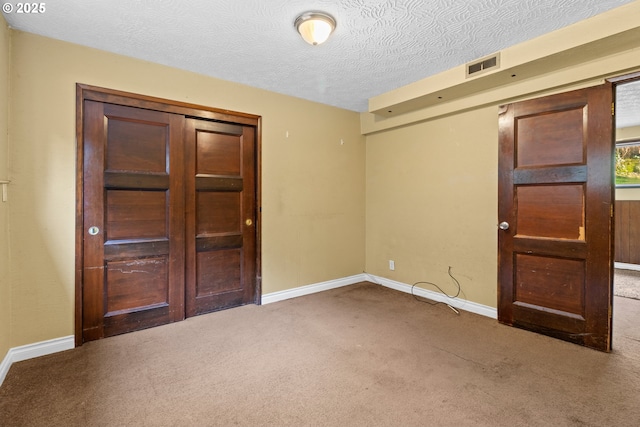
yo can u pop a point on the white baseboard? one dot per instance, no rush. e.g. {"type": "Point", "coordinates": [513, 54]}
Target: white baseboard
{"type": "Point", "coordinates": [312, 289]}
{"type": "Point", "coordinates": [29, 351]}
{"type": "Point", "coordinates": [625, 266]}
{"type": "Point", "coordinates": [458, 303]}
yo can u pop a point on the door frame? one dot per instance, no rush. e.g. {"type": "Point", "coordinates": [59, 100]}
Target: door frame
{"type": "Point", "coordinates": [86, 92]}
{"type": "Point", "coordinates": [615, 81]}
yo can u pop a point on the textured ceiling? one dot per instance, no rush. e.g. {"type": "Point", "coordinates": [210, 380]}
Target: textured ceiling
{"type": "Point", "coordinates": [378, 45]}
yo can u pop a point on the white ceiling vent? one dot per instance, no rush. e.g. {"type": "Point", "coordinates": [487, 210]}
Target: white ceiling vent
{"type": "Point", "coordinates": [483, 65]}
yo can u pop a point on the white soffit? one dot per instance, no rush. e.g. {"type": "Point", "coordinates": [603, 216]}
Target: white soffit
{"type": "Point", "coordinates": [628, 105]}
{"type": "Point", "coordinates": [378, 45]}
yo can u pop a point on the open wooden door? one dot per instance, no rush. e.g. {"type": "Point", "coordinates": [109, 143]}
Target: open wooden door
{"type": "Point", "coordinates": [556, 198]}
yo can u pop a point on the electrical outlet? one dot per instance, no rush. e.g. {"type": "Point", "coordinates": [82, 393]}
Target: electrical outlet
{"type": "Point", "coordinates": [392, 265]}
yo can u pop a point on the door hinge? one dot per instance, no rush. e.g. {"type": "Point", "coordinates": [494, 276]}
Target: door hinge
{"type": "Point", "coordinates": [611, 210]}
{"type": "Point", "coordinates": [613, 108]}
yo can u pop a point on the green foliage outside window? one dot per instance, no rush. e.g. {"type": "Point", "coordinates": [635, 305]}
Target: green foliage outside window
{"type": "Point", "coordinates": [627, 160]}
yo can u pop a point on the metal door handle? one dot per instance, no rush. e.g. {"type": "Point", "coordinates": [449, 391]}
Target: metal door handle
{"type": "Point", "coordinates": [248, 222]}
{"type": "Point", "coordinates": [93, 230]}
{"type": "Point", "coordinates": [504, 225]}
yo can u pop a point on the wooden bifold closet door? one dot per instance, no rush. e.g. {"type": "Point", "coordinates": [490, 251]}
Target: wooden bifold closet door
{"type": "Point", "coordinates": [166, 214]}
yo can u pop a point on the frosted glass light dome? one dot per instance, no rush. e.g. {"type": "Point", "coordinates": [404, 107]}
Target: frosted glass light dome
{"type": "Point", "coordinates": [315, 27]}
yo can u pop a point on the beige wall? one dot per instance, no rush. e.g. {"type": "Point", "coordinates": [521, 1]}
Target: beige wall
{"type": "Point", "coordinates": [432, 203]}
{"type": "Point", "coordinates": [5, 288]}
{"type": "Point", "coordinates": [432, 194]}
{"type": "Point", "coordinates": [429, 189]}
{"type": "Point", "coordinates": [628, 133]}
{"type": "Point", "coordinates": [313, 186]}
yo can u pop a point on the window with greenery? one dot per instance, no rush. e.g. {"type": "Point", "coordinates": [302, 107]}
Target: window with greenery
{"type": "Point", "coordinates": [628, 164]}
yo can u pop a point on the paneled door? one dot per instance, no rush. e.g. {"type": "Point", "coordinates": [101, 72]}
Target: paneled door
{"type": "Point", "coordinates": [167, 213]}
{"type": "Point", "coordinates": [555, 212]}
{"type": "Point", "coordinates": [221, 238]}
{"type": "Point", "coordinates": [133, 219]}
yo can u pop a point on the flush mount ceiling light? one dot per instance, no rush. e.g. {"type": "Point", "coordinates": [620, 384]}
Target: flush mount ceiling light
{"type": "Point", "coordinates": [315, 27]}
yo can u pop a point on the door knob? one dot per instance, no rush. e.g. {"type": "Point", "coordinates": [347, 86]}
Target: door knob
{"type": "Point", "coordinates": [93, 230]}
{"type": "Point", "coordinates": [248, 222]}
{"type": "Point", "coordinates": [504, 225]}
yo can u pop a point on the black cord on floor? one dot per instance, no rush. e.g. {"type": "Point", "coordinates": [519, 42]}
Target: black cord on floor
{"type": "Point", "coordinates": [424, 300]}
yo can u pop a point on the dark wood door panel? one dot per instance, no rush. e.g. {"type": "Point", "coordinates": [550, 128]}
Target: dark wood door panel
{"type": "Point", "coordinates": [572, 249]}
{"type": "Point", "coordinates": [136, 200]}
{"type": "Point", "coordinates": [533, 273]}
{"type": "Point", "coordinates": [221, 233]}
{"type": "Point", "coordinates": [551, 211]}
{"type": "Point", "coordinates": [138, 283]}
{"type": "Point", "coordinates": [550, 175]}
{"type": "Point", "coordinates": [219, 271]}
{"type": "Point", "coordinates": [218, 151]}
{"type": "Point", "coordinates": [135, 215]}
{"type": "Point", "coordinates": [137, 294]}
{"type": "Point", "coordinates": [137, 142]}
{"type": "Point", "coordinates": [137, 320]}
{"type": "Point", "coordinates": [559, 133]}
{"type": "Point", "coordinates": [570, 328]}
{"type": "Point", "coordinates": [218, 212]}
{"type": "Point", "coordinates": [556, 194]}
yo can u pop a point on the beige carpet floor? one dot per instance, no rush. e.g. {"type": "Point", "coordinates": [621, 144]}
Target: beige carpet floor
{"type": "Point", "coordinates": [626, 283]}
{"type": "Point", "coordinates": [361, 355]}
